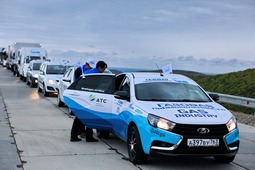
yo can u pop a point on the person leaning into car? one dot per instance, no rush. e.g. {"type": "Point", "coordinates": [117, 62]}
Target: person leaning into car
{"type": "Point", "coordinates": [77, 124]}
{"type": "Point", "coordinates": [78, 128]}
{"type": "Point", "coordinates": [89, 64]}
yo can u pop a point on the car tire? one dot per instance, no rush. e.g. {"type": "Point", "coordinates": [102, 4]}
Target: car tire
{"type": "Point", "coordinates": [28, 83]}
{"type": "Point", "coordinates": [32, 84]}
{"type": "Point", "coordinates": [224, 159]}
{"type": "Point", "coordinates": [104, 134]}
{"type": "Point", "coordinates": [39, 89]}
{"type": "Point", "coordinates": [134, 145]}
{"type": "Point", "coordinates": [59, 102]}
{"type": "Point", "coordinates": [45, 93]}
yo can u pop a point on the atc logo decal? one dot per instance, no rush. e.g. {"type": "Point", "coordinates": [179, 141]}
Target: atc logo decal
{"type": "Point", "coordinates": [92, 97]}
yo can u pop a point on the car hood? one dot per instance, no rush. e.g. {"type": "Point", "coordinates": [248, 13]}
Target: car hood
{"type": "Point", "coordinates": [35, 71]}
{"type": "Point", "coordinates": [54, 76]}
{"type": "Point", "coordinates": [187, 112]}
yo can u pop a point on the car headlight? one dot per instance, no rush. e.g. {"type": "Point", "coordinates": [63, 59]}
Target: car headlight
{"type": "Point", "coordinates": [35, 75]}
{"type": "Point", "coordinates": [231, 125]}
{"type": "Point", "coordinates": [160, 122]}
{"type": "Point", "coordinates": [51, 81]}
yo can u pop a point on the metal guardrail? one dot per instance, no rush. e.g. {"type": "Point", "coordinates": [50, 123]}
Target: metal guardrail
{"type": "Point", "coordinates": [236, 100]}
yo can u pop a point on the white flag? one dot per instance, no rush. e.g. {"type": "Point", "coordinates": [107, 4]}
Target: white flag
{"type": "Point", "coordinates": [167, 69]}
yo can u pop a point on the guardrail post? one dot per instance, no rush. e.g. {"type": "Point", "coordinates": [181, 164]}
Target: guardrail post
{"type": "Point", "coordinates": [254, 114]}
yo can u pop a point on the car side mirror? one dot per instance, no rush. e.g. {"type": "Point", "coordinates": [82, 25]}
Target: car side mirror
{"type": "Point", "coordinates": [121, 95]}
{"type": "Point", "coordinates": [215, 97]}
{"type": "Point", "coordinates": [66, 80]}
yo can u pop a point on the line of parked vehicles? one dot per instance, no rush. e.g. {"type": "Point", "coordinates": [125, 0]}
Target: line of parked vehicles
{"type": "Point", "coordinates": [29, 62]}
{"type": "Point", "coordinates": [155, 113]}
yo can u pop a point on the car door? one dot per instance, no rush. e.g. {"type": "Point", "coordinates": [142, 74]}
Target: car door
{"type": "Point", "coordinates": [41, 75]}
{"type": "Point", "coordinates": [90, 99]}
{"type": "Point", "coordinates": [65, 82]}
{"type": "Point", "coordinates": [122, 109]}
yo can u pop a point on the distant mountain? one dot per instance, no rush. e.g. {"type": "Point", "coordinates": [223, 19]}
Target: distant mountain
{"type": "Point", "coordinates": [117, 70]}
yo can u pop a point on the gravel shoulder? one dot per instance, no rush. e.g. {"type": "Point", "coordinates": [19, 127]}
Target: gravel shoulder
{"type": "Point", "coordinates": [248, 119]}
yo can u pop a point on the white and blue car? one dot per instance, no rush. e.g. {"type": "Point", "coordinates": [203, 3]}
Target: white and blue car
{"type": "Point", "coordinates": [155, 114]}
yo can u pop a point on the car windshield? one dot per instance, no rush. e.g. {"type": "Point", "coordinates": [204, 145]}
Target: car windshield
{"type": "Point", "coordinates": [36, 66]}
{"type": "Point", "coordinates": [168, 91]}
{"type": "Point", "coordinates": [28, 59]}
{"type": "Point", "coordinates": [56, 69]}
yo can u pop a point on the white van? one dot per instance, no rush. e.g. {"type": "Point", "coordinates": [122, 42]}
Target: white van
{"type": "Point", "coordinates": [13, 54]}
{"type": "Point", "coordinates": [27, 54]}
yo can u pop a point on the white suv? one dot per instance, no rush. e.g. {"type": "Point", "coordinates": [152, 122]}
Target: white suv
{"type": "Point", "coordinates": [49, 75]}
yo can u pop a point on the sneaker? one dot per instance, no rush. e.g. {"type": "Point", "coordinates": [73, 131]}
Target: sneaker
{"type": "Point", "coordinates": [82, 135]}
{"type": "Point", "coordinates": [75, 139]}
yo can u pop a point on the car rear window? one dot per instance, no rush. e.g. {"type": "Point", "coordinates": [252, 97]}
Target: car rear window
{"type": "Point", "coordinates": [36, 66]}
{"type": "Point", "coordinates": [98, 83]}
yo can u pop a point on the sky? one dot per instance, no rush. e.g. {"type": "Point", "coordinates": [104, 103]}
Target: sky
{"type": "Point", "coordinates": [208, 36]}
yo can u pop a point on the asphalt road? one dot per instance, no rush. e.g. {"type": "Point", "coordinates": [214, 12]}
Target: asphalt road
{"type": "Point", "coordinates": [35, 134]}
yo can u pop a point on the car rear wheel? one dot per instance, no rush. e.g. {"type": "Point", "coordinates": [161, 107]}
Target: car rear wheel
{"type": "Point", "coordinates": [224, 159]}
{"type": "Point", "coordinates": [135, 149]}
{"type": "Point", "coordinates": [104, 134]}
{"type": "Point", "coordinates": [59, 102]}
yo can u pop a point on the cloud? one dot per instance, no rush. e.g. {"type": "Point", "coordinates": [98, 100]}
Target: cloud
{"type": "Point", "coordinates": [194, 34]}
{"type": "Point", "coordinates": [191, 63]}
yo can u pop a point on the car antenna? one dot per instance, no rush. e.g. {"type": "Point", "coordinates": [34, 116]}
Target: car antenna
{"type": "Point", "coordinates": [161, 72]}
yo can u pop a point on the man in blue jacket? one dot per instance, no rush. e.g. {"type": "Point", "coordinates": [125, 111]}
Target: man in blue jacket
{"type": "Point", "coordinates": [77, 124]}
{"type": "Point", "coordinates": [89, 64]}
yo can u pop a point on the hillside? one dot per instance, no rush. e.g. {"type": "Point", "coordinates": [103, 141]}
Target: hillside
{"type": "Point", "coordinates": [241, 83]}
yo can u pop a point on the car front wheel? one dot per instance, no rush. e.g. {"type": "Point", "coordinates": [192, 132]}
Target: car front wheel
{"type": "Point", "coordinates": [59, 102]}
{"type": "Point", "coordinates": [39, 89]}
{"type": "Point", "coordinates": [135, 149]}
{"type": "Point", "coordinates": [28, 83]}
{"type": "Point", "coordinates": [45, 93]}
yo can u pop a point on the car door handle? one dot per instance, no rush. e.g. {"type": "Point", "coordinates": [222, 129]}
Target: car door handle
{"type": "Point", "coordinates": [74, 94]}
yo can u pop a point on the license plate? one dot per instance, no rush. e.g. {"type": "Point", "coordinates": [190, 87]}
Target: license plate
{"type": "Point", "coordinates": [202, 142]}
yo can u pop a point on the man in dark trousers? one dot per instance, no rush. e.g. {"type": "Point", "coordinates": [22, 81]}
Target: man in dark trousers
{"type": "Point", "coordinates": [77, 124]}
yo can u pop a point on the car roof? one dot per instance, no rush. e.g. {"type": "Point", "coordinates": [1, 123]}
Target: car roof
{"type": "Point", "coordinates": [37, 61]}
{"type": "Point", "coordinates": [160, 76]}
{"type": "Point", "coordinates": [55, 63]}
